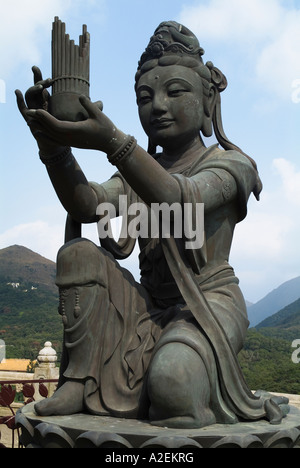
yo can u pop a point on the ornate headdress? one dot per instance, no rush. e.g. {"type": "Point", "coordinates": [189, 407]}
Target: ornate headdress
{"type": "Point", "coordinates": [173, 43]}
{"type": "Point", "coordinates": [172, 38]}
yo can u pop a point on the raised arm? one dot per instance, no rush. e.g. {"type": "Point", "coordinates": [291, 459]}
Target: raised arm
{"type": "Point", "coordinates": [68, 180]}
{"type": "Point", "coordinates": [73, 189]}
{"type": "Point", "coordinates": [145, 175]}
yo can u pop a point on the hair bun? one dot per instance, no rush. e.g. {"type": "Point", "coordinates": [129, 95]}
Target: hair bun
{"type": "Point", "coordinates": [217, 77]}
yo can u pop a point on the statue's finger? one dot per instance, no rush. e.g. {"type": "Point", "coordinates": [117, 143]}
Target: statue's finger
{"type": "Point", "coordinates": [21, 104]}
{"type": "Point", "coordinates": [99, 104]}
{"type": "Point", "coordinates": [49, 121]}
{"type": "Point", "coordinates": [91, 108]}
{"type": "Point", "coordinates": [37, 74]}
{"type": "Point", "coordinates": [45, 83]}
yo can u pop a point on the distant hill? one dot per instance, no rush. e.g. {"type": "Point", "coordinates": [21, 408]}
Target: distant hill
{"type": "Point", "coordinates": [29, 317]}
{"type": "Point", "coordinates": [266, 362]}
{"type": "Point", "coordinates": [266, 356]}
{"type": "Point", "coordinates": [276, 300]}
{"type": "Point", "coordinates": [285, 324]}
{"type": "Point", "coordinates": [19, 264]}
{"type": "Point", "coordinates": [288, 317]}
{"type": "Point", "coordinates": [28, 303]}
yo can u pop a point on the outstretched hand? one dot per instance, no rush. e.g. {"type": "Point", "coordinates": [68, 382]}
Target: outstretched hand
{"type": "Point", "coordinates": [37, 97]}
{"type": "Point", "coordinates": [96, 132]}
{"type": "Point", "coordinates": [52, 135]}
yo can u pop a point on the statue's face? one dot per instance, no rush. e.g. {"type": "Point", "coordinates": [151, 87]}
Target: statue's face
{"type": "Point", "coordinates": [170, 102]}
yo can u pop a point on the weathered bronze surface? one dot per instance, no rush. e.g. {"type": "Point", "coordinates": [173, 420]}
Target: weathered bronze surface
{"type": "Point", "coordinates": [106, 432]}
{"type": "Point", "coordinates": [164, 349]}
{"type": "Point", "coordinates": [70, 73]}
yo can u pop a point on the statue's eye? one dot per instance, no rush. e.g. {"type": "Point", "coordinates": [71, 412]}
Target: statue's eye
{"type": "Point", "coordinates": [177, 89]}
{"type": "Point", "coordinates": [176, 92]}
{"type": "Point", "coordinates": [144, 97]}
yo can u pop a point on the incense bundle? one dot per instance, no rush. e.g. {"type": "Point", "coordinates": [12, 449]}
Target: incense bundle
{"type": "Point", "coordinates": [70, 62]}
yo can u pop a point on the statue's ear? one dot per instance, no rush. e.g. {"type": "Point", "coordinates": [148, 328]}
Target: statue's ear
{"type": "Point", "coordinates": [209, 103]}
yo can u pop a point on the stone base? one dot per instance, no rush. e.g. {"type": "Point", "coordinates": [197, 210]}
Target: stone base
{"type": "Point", "coordinates": [87, 431]}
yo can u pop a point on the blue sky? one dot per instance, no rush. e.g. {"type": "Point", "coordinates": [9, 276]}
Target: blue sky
{"type": "Point", "coordinates": [256, 43]}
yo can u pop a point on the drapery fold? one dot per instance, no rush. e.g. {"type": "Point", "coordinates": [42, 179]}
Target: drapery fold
{"type": "Point", "coordinates": [195, 273]}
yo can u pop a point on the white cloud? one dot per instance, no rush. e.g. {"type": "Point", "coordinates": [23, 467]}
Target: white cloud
{"type": "Point", "coordinates": [264, 232]}
{"type": "Point", "coordinates": [23, 24]}
{"type": "Point", "coordinates": [26, 24]}
{"type": "Point", "coordinates": [38, 236]}
{"type": "Point", "coordinates": [278, 64]}
{"type": "Point", "coordinates": [242, 20]}
{"type": "Point", "coordinates": [266, 32]}
{"type": "Point", "coordinates": [290, 180]}
{"type": "Point", "coordinates": [46, 239]}
{"type": "Point", "coordinates": [264, 253]}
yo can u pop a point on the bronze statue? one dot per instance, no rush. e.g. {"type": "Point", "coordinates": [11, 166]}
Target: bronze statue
{"type": "Point", "coordinates": [164, 349]}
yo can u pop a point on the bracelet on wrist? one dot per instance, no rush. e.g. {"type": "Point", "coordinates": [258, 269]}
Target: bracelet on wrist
{"type": "Point", "coordinates": [123, 152]}
{"type": "Point", "coordinates": [56, 158]}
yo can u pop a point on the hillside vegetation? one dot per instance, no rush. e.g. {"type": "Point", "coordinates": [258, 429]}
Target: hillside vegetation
{"type": "Point", "coordinates": [267, 363]}
{"type": "Point", "coordinates": [28, 303]}
{"type": "Point", "coordinates": [275, 301]}
{"type": "Point", "coordinates": [29, 317]}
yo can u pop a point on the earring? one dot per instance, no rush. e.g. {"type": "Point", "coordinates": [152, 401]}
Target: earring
{"type": "Point", "coordinates": [207, 128]}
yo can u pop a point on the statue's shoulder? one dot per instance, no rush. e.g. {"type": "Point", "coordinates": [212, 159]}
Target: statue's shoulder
{"type": "Point", "coordinates": [232, 161]}
{"type": "Point", "coordinates": [215, 153]}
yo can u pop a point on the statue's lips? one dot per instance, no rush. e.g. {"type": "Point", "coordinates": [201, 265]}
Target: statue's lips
{"type": "Point", "coordinates": [162, 123]}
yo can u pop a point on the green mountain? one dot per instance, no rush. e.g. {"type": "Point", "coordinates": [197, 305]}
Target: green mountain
{"type": "Point", "coordinates": [275, 301]}
{"type": "Point", "coordinates": [29, 317]}
{"type": "Point", "coordinates": [267, 363]}
{"type": "Point", "coordinates": [28, 303]}
{"type": "Point", "coordinates": [284, 324]}
{"type": "Point", "coordinates": [266, 359]}
{"type": "Point", "coordinates": [21, 265]}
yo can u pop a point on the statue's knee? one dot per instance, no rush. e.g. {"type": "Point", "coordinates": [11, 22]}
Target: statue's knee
{"type": "Point", "coordinates": [177, 377]}
{"type": "Point", "coordinates": [171, 363]}
{"type": "Point", "coordinates": [80, 262]}
{"type": "Point", "coordinates": [179, 388]}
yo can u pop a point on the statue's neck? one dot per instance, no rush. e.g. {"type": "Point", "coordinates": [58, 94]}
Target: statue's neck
{"type": "Point", "coordinates": [184, 156]}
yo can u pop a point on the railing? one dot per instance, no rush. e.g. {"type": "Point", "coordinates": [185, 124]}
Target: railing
{"type": "Point", "coordinates": [8, 393]}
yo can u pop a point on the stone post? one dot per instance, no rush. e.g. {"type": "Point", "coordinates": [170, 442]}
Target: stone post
{"type": "Point", "coordinates": [46, 369]}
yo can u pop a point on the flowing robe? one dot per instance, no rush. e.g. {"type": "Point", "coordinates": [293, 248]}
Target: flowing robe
{"type": "Point", "coordinates": [189, 296]}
